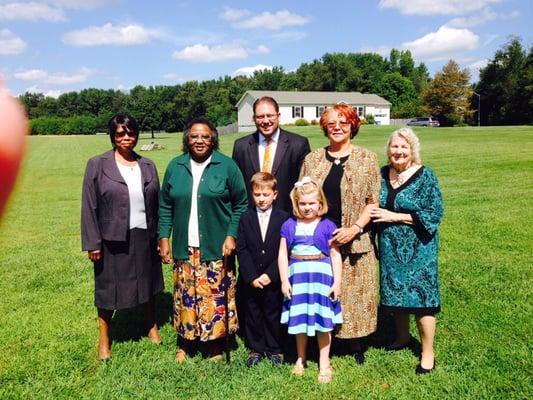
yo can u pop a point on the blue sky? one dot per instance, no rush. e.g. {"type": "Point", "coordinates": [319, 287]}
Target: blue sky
{"type": "Point", "coordinates": [57, 46]}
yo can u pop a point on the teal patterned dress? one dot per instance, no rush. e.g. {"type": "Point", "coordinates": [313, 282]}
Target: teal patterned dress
{"type": "Point", "coordinates": [408, 254]}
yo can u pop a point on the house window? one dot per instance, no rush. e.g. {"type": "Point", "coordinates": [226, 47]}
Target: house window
{"type": "Point", "coordinates": [319, 111]}
{"type": "Point", "coordinates": [360, 110]}
{"type": "Point", "coordinates": [298, 112]}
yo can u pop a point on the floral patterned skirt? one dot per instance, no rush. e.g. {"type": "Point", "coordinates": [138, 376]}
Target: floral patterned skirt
{"type": "Point", "coordinates": [199, 311]}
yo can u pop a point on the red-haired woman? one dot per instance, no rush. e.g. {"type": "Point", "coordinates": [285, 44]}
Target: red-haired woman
{"type": "Point", "coordinates": [350, 178]}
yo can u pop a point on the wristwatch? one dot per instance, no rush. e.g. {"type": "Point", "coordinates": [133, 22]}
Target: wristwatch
{"type": "Point", "coordinates": [361, 230]}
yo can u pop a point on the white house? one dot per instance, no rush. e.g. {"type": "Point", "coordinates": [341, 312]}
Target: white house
{"type": "Point", "coordinates": [310, 105]}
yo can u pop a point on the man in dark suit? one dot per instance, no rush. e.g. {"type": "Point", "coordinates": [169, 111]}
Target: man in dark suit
{"type": "Point", "coordinates": [258, 289]}
{"type": "Point", "coordinates": [271, 149]}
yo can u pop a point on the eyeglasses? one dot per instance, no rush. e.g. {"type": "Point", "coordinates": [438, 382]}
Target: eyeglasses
{"type": "Point", "coordinates": [269, 117]}
{"type": "Point", "coordinates": [124, 133]}
{"type": "Point", "coordinates": [342, 124]}
{"type": "Point", "coordinates": [205, 139]}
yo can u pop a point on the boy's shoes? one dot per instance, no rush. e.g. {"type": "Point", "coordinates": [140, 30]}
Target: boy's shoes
{"type": "Point", "coordinates": [253, 359]}
{"type": "Point", "coordinates": [359, 357]}
{"type": "Point", "coordinates": [276, 359]}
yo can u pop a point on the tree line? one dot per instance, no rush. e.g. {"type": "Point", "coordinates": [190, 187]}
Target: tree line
{"type": "Point", "coordinates": [505, 88]}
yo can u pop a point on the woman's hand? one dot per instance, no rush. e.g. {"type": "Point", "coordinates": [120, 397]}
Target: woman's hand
{"type": "Point", "coordinates": [229, 246]}
{"type": "Point", "coordinates": [164, 251]}
{"type": "Point", "coordinates": [94, 255]}
{"type": "Point", "coordinates": [335, 292]}
{"type": "Point", "coordinates": [286, 289]}
{"type": "Point", "coordinates": [343, 235]}
{"type": "Point", "coordinates": [383, 215]}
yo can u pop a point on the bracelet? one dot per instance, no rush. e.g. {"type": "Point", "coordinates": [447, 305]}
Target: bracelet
{"type": "Point", "coordinates": [361, 230]}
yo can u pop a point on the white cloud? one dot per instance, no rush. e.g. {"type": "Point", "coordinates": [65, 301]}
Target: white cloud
{"type": "Point", "coordinates": [52, 93]}
{"type": "Point", "coordinates": [476, 67]}
{"type": "Point", "coordinates": [232, 14]}
{"type": "Point", "coordinates": [174, 77]}
{"type": "Point", "coordinates": [69, 79]}
{"type": "Point", "coordinates": [10, 44]}
{"type": "Point", "coordinates": [289, 36]}
{"type": "Point", "coordinates": [44, 78]}
{"type": "Point", "coordinates": [249, 71]}
{"type": "Point", "coordinates": [265, 20]}
{"type": "Point", "coordinates": [381, 50]}
{"type": "Point", "coordinates": [484, 16]}
{"type": "Point", "coordinates": [83, 4]}
{"type": "Point", "coordinates": [31, 75]}
{"type": "Point", "coordinates": [443, 44]}
{"type": "Point", "coordinates": [261, 49]}
{"type": "Point", "coordinates": [480, 18]}
{"type": "Point", "coordinates": [201, 53]}
{"type": "Point", "coordinates": [108, 35]}
{"type": "Point", "coordinates": [31, 11]}
{"type": "Point", "coordinates": [436, 7]}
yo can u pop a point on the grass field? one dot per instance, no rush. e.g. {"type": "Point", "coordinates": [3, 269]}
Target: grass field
{"type": "Point", "coordinates": [48, 330]}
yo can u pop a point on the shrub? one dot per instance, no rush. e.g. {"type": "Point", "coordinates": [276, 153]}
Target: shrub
{"type": "Point", "coordinates": [370, 119]}
{"type": "Point", "coordinates": [47, 126]}
{"type": "Point", "coordinates": [301, 122]}
{"type": "Point", "coordinates": [79, 125]}
{"type": "Point", "coordinates": [314, 122]}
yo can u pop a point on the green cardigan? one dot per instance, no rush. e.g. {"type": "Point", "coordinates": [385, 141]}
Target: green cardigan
{"type": "Point", "coordinates": [222, 199]}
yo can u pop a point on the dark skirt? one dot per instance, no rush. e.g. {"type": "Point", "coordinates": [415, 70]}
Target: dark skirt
{"type": "Point", "coordinates": [129, 272]}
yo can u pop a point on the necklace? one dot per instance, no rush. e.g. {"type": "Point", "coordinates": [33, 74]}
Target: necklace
{"type": "Point", "coordinates": [400, 176]}
{"type": "Point", "coordinates": [340, 159]}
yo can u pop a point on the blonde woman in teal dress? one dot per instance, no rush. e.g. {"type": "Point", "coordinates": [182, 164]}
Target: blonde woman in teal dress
{"type": "Point", "coordinates": [409, 213]}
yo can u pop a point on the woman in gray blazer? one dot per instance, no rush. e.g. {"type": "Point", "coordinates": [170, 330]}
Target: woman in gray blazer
{"type": "Point", "coordinates": [119, 217]}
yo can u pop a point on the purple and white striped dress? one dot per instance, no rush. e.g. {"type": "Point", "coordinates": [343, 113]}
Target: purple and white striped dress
{"type": "Point", "coordinates": [310, 308]}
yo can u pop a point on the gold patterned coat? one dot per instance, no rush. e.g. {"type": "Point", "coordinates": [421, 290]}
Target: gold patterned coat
{"type": "Point", "coordinates": [360, 186]}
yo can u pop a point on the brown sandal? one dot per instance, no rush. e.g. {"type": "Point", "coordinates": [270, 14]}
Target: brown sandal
{"type": "Point", "coordinates": [298, 369]}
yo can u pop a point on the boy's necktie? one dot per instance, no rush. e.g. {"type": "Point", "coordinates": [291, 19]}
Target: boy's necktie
{"type": "Point", "coordinates": [263, 224]}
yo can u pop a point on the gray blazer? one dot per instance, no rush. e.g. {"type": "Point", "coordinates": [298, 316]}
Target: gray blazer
{"type": "Point", "coordinates": [105, 205]}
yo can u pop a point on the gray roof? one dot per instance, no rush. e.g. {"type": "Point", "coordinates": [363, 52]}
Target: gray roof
{"type": "Point", "coordinates": [317, 98]}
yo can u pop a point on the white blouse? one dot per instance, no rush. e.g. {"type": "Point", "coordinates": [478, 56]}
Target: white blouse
{"type": "Point", "coordinates": [132, 177]}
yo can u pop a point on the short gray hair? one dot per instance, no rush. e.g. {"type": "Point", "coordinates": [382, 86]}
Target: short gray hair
{"type": "Point", "coordinates": [410, 137]}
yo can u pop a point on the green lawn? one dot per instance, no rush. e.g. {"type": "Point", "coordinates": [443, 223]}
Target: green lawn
{"type": "Point", "coordinates": [48, 330]}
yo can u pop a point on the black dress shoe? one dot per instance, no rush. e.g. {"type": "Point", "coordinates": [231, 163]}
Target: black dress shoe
{"type": "Point", "coordinates": [253, 359]}
{"type": "Point", "coordinates": [393, 347]}
{"type": "Point", "coordinates": [359, 357]}
{"type": "Point", "coordinates": [420, 370]}
{"type": "Point", "coordinates": [276, 359]}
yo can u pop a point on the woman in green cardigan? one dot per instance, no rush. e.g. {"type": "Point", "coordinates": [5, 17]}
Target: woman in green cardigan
{"type": "Point", "coordinates": [202, 198]}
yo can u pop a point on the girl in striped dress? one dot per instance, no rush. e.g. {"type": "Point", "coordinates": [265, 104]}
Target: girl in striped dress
{"type": "Point", "coordinates": [310, 272]}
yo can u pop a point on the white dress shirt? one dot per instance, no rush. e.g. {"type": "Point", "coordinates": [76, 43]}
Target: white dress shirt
{"type": "Point", "coordinates": [264, 219]}
{"type": "Point", "coordinates": [262, 146]}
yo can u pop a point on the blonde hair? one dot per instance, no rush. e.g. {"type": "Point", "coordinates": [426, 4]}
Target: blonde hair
{"type": "Point", "coordinates": [410, 137]}
{"type": "Point", "coordinates": [304, 187]}
{"type": "Point", "coordinates": [264, 179]}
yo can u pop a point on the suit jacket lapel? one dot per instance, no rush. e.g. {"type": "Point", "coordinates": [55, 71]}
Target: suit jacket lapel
{"type": "Point", "coordinates": [146, 171]}
{"type": "Point", "coordinates": [109, 167]}
{"type": "Point", "coordinates": [255, 223]}
{"type": "Point", "coordinates": [274, 215]}
{"type": "Point", "coordinates": [281, 148]}
{"type": "Point", "coordinates": [253, 152]}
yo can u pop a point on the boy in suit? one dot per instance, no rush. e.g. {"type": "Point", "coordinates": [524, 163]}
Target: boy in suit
{"type": "Point", "coordinates": [257, 251]}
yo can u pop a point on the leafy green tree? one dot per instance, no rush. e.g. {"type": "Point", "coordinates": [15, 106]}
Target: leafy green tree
{"type": "Point", "coordinates": [448, 96]}
{"type": "Point", "coordinates": [506, 86]}
{"type": "Point", "coordinates": [401, 92]}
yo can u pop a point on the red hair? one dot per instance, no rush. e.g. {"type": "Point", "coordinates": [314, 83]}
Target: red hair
{"type": "Point", "coordinates": [347, 112]}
